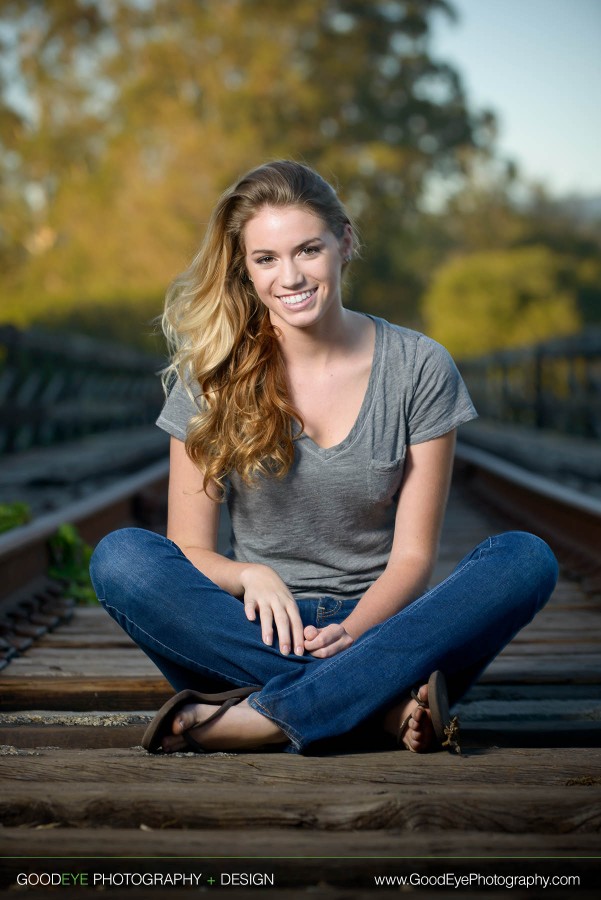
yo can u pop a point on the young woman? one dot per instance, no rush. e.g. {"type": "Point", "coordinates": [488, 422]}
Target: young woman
{"type": "Point", "coordinates": [330, 435]}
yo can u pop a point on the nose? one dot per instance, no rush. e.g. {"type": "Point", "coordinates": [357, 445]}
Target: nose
{"type": "Point", "coordinates": [291, 274]}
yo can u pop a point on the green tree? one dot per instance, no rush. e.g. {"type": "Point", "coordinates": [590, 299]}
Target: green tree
{"type": "Point", "coordinates": [138, 113]}
{"type": "Point", "coordinates": [501, 298]}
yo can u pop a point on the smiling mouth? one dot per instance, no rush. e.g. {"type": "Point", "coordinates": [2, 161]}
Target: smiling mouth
{"type": "Point", "coordinates": [293, 299]}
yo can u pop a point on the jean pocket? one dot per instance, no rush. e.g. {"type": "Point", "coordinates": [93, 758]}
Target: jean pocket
{"type": "Point", "coordinates": [326, 611]}
{"type": "Point", "coordinates": [384, 478]}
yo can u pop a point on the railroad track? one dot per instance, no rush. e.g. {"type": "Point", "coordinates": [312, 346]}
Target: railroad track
{"type": "Point", "coordinates": [31, 604]}
{"type": "Point", "coordinates": [567, 519]}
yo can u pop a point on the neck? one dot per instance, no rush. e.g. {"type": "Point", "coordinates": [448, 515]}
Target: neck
{"type": "Point", "coordinates": [335, 334]}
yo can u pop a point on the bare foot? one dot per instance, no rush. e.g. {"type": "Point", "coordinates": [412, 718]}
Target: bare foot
{"type": "Point", "coordinates": [239, 728]}
{"type": "Point", "coordinates": [419, 734]}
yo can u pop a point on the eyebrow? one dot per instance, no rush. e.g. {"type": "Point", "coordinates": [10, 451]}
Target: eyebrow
{"type": "Point", "coordinates": [315, 240]}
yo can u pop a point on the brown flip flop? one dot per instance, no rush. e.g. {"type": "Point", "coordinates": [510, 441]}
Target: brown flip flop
{"type": "Point", "coordinates": [446, 728]}
{"type": "Point", "coordinates": [162, 723]}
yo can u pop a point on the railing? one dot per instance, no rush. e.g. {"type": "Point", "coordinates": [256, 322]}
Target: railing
{"type": "Point", "coordinates": [555, 384]}
{"type": "Point", "coordinates": [59, 387]}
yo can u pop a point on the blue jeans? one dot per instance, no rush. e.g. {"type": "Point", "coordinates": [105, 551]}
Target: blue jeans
{"type": "Point", "coordinates": [199, 637]}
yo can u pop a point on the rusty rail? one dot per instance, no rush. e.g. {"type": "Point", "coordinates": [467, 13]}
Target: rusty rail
{"type": "Point", "coordinates": [567, 519]}
{"type": "Point", "coordinates": [31, 603]}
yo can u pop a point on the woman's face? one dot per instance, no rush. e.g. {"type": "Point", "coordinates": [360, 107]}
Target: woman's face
{"type": "Point", "coordinates": [295, 262]}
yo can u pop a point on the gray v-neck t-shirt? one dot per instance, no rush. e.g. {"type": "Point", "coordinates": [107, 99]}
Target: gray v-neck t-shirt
{"type": "Point", "coordinates": [327, 527]}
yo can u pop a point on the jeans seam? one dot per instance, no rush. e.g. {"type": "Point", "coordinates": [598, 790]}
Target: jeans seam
{"type": "Point", "coordinates": [288, 730]}
{"type": "Point", "coordinates": [180, 657]}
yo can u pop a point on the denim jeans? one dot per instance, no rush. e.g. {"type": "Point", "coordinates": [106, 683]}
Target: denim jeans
{"type": "Point", "coordinates": [199, 637]}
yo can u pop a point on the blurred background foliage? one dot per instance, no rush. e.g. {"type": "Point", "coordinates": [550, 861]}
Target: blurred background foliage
{"type": "Point", "coordinates": [120, 123]}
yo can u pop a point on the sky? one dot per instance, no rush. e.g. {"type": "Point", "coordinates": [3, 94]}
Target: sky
{"type": "Point", "coordinates": [537, 65]}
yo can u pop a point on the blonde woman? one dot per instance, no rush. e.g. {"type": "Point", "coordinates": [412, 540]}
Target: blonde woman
{"type": "Point", "coordinates": [330, 436]}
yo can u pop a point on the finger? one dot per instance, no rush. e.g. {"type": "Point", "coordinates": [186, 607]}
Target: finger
{"type": "Point", "coordinates": [250, 609]}
{"type": "Point", "coordinates": [315, 643]}
{"type": "Point", "coordinates": [282, 623]}
{"type": "Point", "coordinates": [331, 640]}
{"type": "Point", "coordinates": [311, 632]}
{"type": "Point", "coordinates": [296, 624]}
{"type": "Point", "coordinates": [324, 637]}
{"type": "Point", "coordinates": [266, 616]}
{"type": "Point", "coordinates": [330, 650]}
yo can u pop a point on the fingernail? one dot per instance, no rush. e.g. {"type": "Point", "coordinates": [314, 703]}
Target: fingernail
{"type": "Point", "coordinates": [285, 649]}
{"type": "Point", "coordinates": [299, 650]}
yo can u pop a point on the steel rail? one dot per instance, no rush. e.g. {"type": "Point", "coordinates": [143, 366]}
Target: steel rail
{"type": "Point", "coordinates": [569, 520]}
{"type": "Point", "coordinates": [30, 603]}
{"type": "Point", "coordinates": [24, 548]}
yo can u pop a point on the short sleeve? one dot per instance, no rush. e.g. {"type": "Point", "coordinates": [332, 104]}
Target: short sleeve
{"type": "Point", "coordinates": [176, 413]}
{"type": "Point", "coordinates": [440, 400]}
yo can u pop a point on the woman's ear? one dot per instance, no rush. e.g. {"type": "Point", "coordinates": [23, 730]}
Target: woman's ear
{"type": "Point", "coordinates": [346, 244]}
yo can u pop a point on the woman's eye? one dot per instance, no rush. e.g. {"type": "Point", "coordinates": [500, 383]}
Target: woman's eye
{"type": "Point", "coordinates": [310, 251]}
{"type": "Point", "coordinates": [264, 259]}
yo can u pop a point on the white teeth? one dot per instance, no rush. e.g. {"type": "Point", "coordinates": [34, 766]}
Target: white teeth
{"type": "Point", "coordinates": [297, 298]}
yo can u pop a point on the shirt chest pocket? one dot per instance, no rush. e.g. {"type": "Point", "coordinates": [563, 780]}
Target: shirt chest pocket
{"type": "Point", "coordinates": [384, 478]}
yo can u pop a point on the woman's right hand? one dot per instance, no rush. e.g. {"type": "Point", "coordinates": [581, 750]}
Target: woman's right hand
{"type": "Point", "coordinates": [265, 591]}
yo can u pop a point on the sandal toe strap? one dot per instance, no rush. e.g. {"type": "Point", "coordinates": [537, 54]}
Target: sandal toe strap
{"type": "Point", "coordinates": [418, 700]}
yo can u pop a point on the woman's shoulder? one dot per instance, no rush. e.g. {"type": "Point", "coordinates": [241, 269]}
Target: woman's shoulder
{"type": "Point", "coordinates": [413, 345]}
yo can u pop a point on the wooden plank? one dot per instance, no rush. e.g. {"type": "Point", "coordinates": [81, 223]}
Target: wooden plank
{"type": "Point", "coordinates": [574, 620]}
{"type": "Point", "coordinates": [340, 808]}
{"type": "Point", "coordinates": [511, 669]}
{"type": "Point", "coordinates": [353, 848]}
{"type": "Point", "coordinates": [578, 768]}
{"type": "Point", "coordinates": [565, 635]}
{"type": "Point", "coordinates": [57, 639]}
{"type": "Point", "coordinates": [73, 737]}
{"type": "Point", "coordinates": [90, 620]}
{"type": "Point", "coordinates": [84, 693]}
{"type": "Point", "coordinates": [68, 665]}
{"type": "Point", "coordinates": [554, 649]}
{"type": "Point", "coordinates": [39, 662]}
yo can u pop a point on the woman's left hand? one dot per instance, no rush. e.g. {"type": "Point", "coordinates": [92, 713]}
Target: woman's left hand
{"type": "Point", "coordinates": [328, 641]}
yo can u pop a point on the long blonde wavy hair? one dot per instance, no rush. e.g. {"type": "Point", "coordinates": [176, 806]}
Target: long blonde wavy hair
{"type": "Point", "coordinates": [223, 344]}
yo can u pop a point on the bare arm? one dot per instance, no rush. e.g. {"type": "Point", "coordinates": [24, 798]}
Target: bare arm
{"type": "Point", "coordinates": [418, 523]}
{"type": "Point", "coordinates": [193, 524]}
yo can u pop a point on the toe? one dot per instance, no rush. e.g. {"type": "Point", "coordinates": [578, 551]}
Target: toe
{"type": "Point", "coordinates": [418, 714]}
{"type": "Point", "coordinates": [423, 693]}
{"type": "Point", "coordinates": [420, 732]}
{"type": "Point", "coordinates": [173, 744]}
{"type": "Point", "coordinates": [185, 718]}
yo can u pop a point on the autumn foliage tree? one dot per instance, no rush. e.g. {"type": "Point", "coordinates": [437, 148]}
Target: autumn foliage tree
{"type": "Point", "coordinates": [499, 298]}
{"type": "Point", "coordinates": [121, 122]}
{"type": "Point", "coordinates": [510, 266]}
